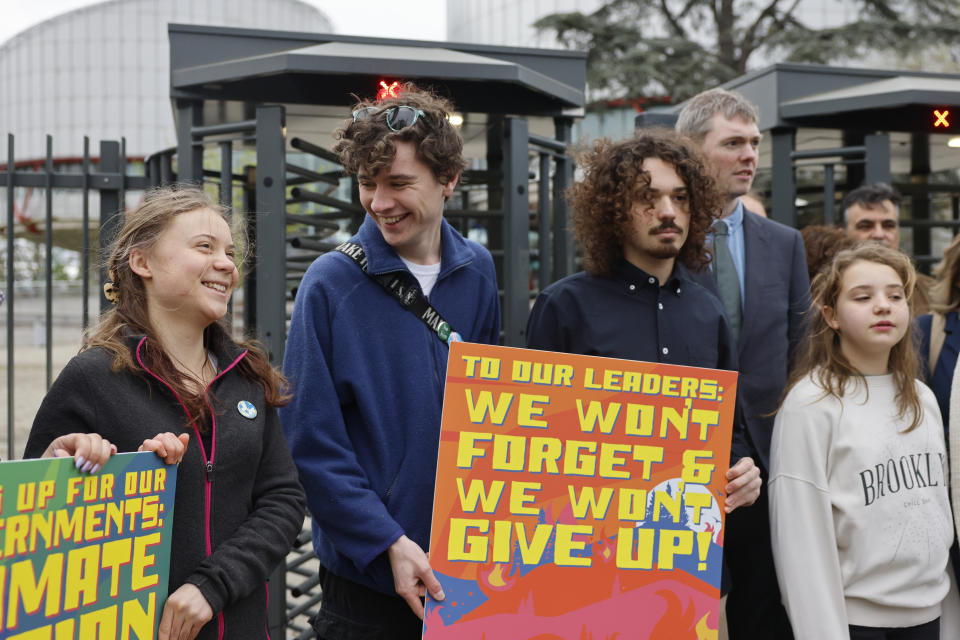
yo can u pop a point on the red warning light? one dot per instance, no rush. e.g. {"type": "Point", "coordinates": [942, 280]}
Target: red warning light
{"type": "Point", "coordinates": [388, 90]}
{"type": "Point", "coordinates": [941, 117]}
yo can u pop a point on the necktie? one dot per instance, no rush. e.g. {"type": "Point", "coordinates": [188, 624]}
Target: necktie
{"type": "Point", "coordinates": [728, 283]}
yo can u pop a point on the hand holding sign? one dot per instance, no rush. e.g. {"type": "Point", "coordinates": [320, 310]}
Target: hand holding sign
{"type": "Point", "coordinates": [168, 446]}
{"type": "Point", "coordinates": [412, 575]}
{"type": "Point", "coordinates": [184, 614]}
{"type": "Point", "coordinates": [89, 450]}
{"type": "Point", "coordinates": [744, 486]}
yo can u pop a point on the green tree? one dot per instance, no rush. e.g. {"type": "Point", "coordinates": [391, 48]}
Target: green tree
{"type": "Point", "coordinates": [680, 47]}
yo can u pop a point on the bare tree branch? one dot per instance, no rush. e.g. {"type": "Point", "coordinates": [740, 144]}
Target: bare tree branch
{"type": "Point", "coordinates": [671, 19]}
{"type": "Point", "coordinates": [657, 47]}
{"type": "Point", "coordinates": [749, 36]}
{"type": "Point", "coordinates": [687, 8]}
{"type": "Point", "coordinates": [779, 24]}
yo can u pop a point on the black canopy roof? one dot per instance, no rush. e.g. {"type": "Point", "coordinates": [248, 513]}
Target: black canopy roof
{"type": "Point", "coordinates": [222, 63]}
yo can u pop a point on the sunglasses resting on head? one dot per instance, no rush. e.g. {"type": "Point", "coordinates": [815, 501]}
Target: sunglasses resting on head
{"type": "Point", "coordinates": [398, 117]}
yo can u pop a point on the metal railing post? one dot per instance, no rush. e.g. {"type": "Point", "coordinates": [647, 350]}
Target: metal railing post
{"type": "Point", "coordinates": [564, 252]}
{"type": "Point", "coordinates": [189, 155]}
{"type": "Point", "coordinates": [11, 174]}
{"type": "Point", "coordinates": [545, 272]}
{"type": "Point", "coordinates": [48, 263]}
{"type": "Point", "coordinates": [783, 185]}
{"type": "Point", "coordinates": [270, 273]}
{"type": "Point", "coordinates": [110, 222]}
{"type": "Point", "coordinates": [829, 194]}
{"type": "Point", "coordinates": [271, 249]}
{"type": "Point", "coordinates": [516, 228]}
{"type": "Point", "coordinates": [85, 249]}
{"type": "Point", "coordinates": [877, 157]}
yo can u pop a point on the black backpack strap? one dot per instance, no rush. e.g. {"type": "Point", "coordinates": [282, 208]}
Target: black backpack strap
{"type": "Point", "coordinates": [407, 293]}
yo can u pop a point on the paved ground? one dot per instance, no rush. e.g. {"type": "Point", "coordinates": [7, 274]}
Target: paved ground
{"type": "Point", "coordinates": [30, 356]}
{"type": "Point", "coordinates": [29, 360]}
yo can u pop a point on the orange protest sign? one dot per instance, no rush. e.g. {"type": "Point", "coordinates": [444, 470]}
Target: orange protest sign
{"type": "Point", "coordinates": [578, 497]}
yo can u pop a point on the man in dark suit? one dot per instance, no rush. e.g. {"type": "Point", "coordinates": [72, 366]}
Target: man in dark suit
{"type": "Point", "coordinates": [759, 272]}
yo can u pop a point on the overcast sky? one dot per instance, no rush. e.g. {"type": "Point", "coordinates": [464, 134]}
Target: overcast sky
{"type": "Point", "coordinates": [414, 19]}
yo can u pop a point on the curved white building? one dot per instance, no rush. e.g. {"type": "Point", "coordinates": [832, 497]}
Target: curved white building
{"type": "Point", "coordinates": [103, 70]}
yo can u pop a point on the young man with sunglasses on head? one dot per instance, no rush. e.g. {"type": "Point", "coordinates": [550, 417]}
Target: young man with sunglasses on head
{"type": "Point", "coordinates": [366, 357]}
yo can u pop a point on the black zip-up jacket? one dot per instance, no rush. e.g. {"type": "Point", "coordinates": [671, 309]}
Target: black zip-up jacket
{"type": "Point", "coordinates": [239, 504]}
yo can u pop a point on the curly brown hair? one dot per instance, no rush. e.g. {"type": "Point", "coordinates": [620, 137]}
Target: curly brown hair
{"type": "Point", "coordinates": [613, 181]}
{"type": "Point", "coordinates": [369, 144]}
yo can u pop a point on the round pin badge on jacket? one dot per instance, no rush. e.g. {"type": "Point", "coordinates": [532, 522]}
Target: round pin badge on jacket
{"type": "Point", "coordinates": [246, 409]}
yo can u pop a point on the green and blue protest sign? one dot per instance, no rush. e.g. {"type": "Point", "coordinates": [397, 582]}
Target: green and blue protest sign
{"type": "Point", "coordinates": [85, 555]}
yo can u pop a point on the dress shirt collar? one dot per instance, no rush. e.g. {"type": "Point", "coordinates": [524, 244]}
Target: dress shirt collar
{"type": "Point", "coordinates": [735, 220]}
{"type": "Point", "coordinates": [631, 274]}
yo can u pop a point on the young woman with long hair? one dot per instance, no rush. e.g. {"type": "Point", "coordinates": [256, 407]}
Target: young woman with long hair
{"type": "Point", "coordinates": [160, 366]}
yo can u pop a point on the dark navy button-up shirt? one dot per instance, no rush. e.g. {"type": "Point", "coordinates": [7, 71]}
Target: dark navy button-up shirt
{"type": "Point", "coordinates": [629, 315]}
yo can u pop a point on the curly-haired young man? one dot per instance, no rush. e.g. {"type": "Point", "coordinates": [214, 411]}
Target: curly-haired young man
{"type": "Point", "coordinates": [366, 357]}
{"type": "Point", "coordinates": [641, 214]}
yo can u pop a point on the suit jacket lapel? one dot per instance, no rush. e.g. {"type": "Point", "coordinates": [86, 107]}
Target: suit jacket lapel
{"type": "Point", "coordinates": [754, 251]}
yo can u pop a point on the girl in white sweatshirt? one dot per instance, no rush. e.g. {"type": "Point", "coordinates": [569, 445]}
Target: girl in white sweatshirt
{"type": "Point", "coordinates": [860, 517]}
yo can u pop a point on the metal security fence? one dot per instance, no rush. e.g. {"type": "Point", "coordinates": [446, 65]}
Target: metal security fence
{"type": "Point", "coordinates": [104, 176]}
{"type": "Point", "coordinates": [928, 208]}
{"type": "Point", "coordinates": [72, 204]}
{"type": "Point", "coordinates": [296, 203]}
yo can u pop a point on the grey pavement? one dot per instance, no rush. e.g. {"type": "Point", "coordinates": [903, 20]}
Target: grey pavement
{"type": "Point", "coordinates": [30, 354]}
{"type": "Point", "coordinates": [29, 357]}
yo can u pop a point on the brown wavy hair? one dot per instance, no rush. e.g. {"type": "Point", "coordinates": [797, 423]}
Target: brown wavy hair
{"type": "Point", "coordinates": [821, 243]}
{"type": "Point", "coordinates": [945, 293]}
{"type": "Point", "coordinates": [129, 316]}
{"type": "Point", "coordinates": [821, 354]}
{"type": "Point", "coordinates": [370, 145]}
{"type": "Point", "coordinates": [612, 183]}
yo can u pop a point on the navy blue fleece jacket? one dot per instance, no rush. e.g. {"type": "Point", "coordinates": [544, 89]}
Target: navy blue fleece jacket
{"type": "Point", "coordinates": [367, 378]}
